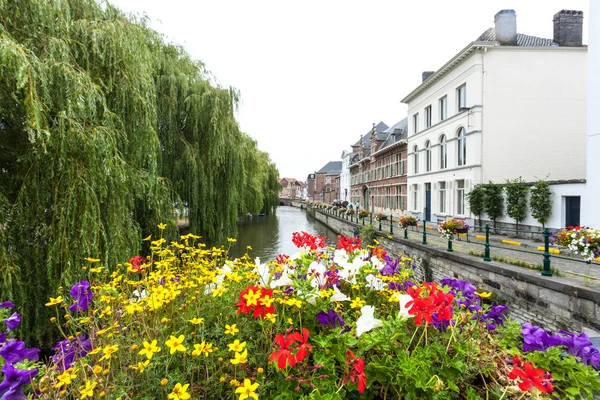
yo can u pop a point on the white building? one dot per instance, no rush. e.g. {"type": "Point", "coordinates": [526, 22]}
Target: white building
{"type": "Point", "coordinates": [508, 105]}
{"type": "Point", "coordinates": [345, 176]}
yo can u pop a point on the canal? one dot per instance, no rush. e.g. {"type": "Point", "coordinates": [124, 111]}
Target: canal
{"type": "Point", "coordinates": [272, 234]}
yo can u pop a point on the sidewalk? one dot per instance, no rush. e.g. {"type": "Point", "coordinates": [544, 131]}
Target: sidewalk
{"type": "Point", "coordinates": [512, 251]}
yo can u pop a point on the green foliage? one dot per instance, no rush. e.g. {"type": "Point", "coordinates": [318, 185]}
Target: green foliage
{"type": "Point", "coordinates": [516, 199]}
{"type": "Point", "coordinates": [476, 199]}
{"type": "Point", "coordinates": [367, 234]}
{"type": "Point", "coordinates": [104, 127]}
{"type": "Point", "coordinates": [493, 201]}
{"type": "Point", "coordinates": [541, 201]}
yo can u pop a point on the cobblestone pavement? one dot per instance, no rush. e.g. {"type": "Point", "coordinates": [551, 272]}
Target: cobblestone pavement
{"type": "Point", "coordinates": [572, 267]}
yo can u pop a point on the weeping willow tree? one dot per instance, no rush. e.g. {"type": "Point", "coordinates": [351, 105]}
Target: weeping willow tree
{"type": "Point", "coordinates": [104, 129]}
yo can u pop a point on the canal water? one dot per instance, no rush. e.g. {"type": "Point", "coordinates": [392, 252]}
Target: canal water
{"type": "Point", "coordinates": [272, 234]}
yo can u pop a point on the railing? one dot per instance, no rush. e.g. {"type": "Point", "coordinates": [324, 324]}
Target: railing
{"type": "Point", "coordinates": [386, 224]}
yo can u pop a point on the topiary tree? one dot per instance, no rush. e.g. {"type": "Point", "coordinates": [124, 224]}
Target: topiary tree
{"type": "Point", "coordinates": [516, 200]}
{"type": "Point", "coordinates": [476, 199]}
{"type": "Point", "coordinates": [494, 201]}
{"type": "Point", "coordinates": [541, 201]}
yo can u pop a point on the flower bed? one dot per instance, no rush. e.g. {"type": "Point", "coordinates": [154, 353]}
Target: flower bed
{"type": "Point", "coordinates": [582, 241]}
{"type": "Point", "coordinates": [449, 229]}
{"type": "Point", "coordinates": [319, 324]}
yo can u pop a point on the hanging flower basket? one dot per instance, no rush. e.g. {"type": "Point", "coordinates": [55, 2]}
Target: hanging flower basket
{"type": "Point", "coordinates": [408, 220]}
{"type": "Point", "coordinates": [581, 240]}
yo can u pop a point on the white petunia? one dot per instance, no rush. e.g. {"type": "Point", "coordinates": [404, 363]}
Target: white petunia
{"type": "Point", "coordinates": [403, 299]}
{"type": "Point", "coordinates": [338, 296]}
{"type": "Point", "coordinates": [340, 257]}
{"type": "Point", "coordinates": [374, 282]}
{"type": "Point", "coordinates": [263, 272]}
{"type": "Point", "coordinates": [377, 263]}
{"type": "Point", "coordinates": [367, 321]}
{"type": "Point", "coordinates": [284, 280]}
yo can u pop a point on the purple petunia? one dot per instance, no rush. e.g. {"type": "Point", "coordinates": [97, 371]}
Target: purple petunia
{"type": "Point", "coordinates": [7, 304]}
{"type": "Point", "coordinates": [495, 316]}
{"type": "Point", "coordinates": [14, 351]}
{"type": "Point", "coordinates": [82, 293]}
{"type": "Point", "coordinates": [2, 338]}
{"type": "Point", "coordinates": [14, 380]}
{"type": "Point", "coordinates": [67, 351]}
{"type": "Point", "coordinates": [13, 321]}
{"type": "Point", "coordinates": [330, 318]}
{"type": "Point", "coordinates": [391, 266]}
{"type": "Point", "coordinates": [466, 288]}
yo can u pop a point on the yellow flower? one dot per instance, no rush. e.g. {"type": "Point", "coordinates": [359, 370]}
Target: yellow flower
{"type": "Point", "coordinates": [222, 379]}
{"type": "Point", "coordinates": [483, 295]}
{"type": "Point", "coordinates": [271, 317]}
{"type": "Point", "coordinates": [247, 390]}
{"type": "Point", "coordinates": [149, 349]}
{"type": "Point", "coordinates": [54, 301]}
{"type": "Point", "coordinates": [218, 292]}
{"type": "Point", "coordinates": [201, 348]}
{"type": "Point", "coordinates": [290, 321]}
{"type": "Point", "coordinates": [176, 344]}
{"type": "Point", "coordinates": [295, 302]}
{"type": "Point", "coordinates": [234, 382]}
{"type": "Point", "coordinates": [236, 346]}
{"type": "Point", "coordinates": [266, 301]}
{"type": "Point", "coordinates": [357, 303]}
{"type": "Point", "coordinates": [108, 351]}
{"type": "Point", "coordinates": [260, 370]}
{"type": "Point", "coordinates": [88, 390]}
{"type": "Point", "coordinates": [249, 247]}
{"type": "Point", "coordinates": [164, 382]}
{"type": "Point", "coordinates": [196, 321]}
{"type": "Point", "coordinates": [134, 347]}
{"type": "Point", "coordinates": [231, 329]}
{"type": "Point", "coordinates": [97, 369]}
{"type": "Point", "coordinates": [148, 238]}
{"type": "Point", "coordinates": [96, 270]}
{"type": "Point", "coordinates": [53, 319]}
{"type": "Point", "coordinates": [162, 226]}
{"type": "Point", "coordinates": [92, 260]}
{"type": "Point", "coordinates": [231, 240]}
{"type": "Point", "coordinates": [252, 297]}
{"type": "Point", "coordinates": [141, 366]}
{"type": "Point", "coordinates": [180, 392]}
{"type": "Point", "coordinates": [66, 377]}
{"type": "Point", "coordinates": [240, 358]}
{"type": "Point", "coordinates": [164, 320]}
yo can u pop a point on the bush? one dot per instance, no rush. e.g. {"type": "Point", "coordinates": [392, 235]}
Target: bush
{"type": "Point", "coordinates": [368, 235]}
{"type": "Point", "coordinates": [494, 201]}
{"type": "Point", "coordinates": [476, 199]}
{"type": "Point", "coordinates": [541, 202]}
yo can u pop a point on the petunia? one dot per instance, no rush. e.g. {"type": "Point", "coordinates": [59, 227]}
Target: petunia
{"type": "Point", "coordinates": [13, 321]}
{"type": "Point", "coordinates": [330, 318]}
{"type": "Point", "coordinates": [83, 295]}
{"type": "Point", "coordinates": [367, 321]}
{"type": "Point", "coordinates": [7, 304]}
{"type": "Point", "coordinates": [375, 283]}
{"type": "Point", "coordinates": [403, 299]}
{"type": "Point", "coordinates": [14, 380]}
{"type": "Point", "coordinates": [14, 351]}
{"type": "Point", "coordinates": [338, 296]}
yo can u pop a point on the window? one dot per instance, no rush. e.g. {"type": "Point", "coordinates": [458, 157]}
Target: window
{"type": "Point", "coordinates": [460, 197]}
{"type": "Point", "coordinates": [461, 97]}
{"type": "Point", "coordinates": [416, 123]}
{"type": "Point", "coordinates": [462, 147]}
{"type": "Point", "coordinates": [442, 198]}
{"type": "Point", "coordinates": [415, 197]}
{"type": "Point", "coordinates": [399, 164]}
{"type": "Point", "coordinates": [328, 180]}
{"type": "Point", "coordinates": [443, 108]}
{"type": "Point", "coordinates": [427, 116]}
{"type": "Point", "coordinates": [388, 197]}
{"type": "Point", "coordinates": [416, 159]}
{"type": "Point", "coordinates": [399, 198]}
{"type": "Point", "coordinates": [428, 156]}
{"type": "Point", "coordinates": [443, 153]}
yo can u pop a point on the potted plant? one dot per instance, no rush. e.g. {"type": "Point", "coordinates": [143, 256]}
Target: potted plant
{"type": "Point", "coordinates": [448, 229]}
{"type": "Point", "coordinates": [581, 240]}
{"type": "Point", "coordinates": [363, 214]}
{"type": "Point", "coordinates": [408, 220]}
{"type": "Point", "coordinates": [380, 217]}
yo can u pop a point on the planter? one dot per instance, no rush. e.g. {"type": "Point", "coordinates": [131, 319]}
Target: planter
{"type": "Point", "coordinates": [461, 230]}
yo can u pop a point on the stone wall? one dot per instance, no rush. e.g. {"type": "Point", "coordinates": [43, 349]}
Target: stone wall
{"type": "Point", "coordinates": [552, 302]}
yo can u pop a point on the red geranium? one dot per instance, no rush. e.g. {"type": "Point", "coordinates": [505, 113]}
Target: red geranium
{"type": "Point", "coordinates": [356, 374]}
{"type": "Point", "coordinates": [530, 376]}
{"type": "Point", "coordinates": [303, 347]}
{"type": "Point", "coordinates": [349, 244]}
{"type": "Point", "coordinates": [285, 354]}
{"type": "Point", "coordinates": [428, 300]}
{"type": "Point", "coordinates": [257, 300]}
{"type": "Point", "coordinates": [304, 239]}
{"type": "Point", "coordinates": [136, 262]}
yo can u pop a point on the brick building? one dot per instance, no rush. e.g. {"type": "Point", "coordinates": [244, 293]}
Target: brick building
{"type": "Point", "coordinates": [291, 188]}
{"type": "Point", "coordinates": [326, 186]}
{"type": "Point", "coordinates": [377, 169]}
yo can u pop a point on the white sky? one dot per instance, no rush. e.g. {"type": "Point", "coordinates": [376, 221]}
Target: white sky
{"type": "Point", "coordinates": [315, 75]}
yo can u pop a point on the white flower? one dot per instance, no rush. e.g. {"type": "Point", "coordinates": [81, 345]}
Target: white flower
{"type": "Point", "coordinates": [263, 272]}
{"type": "Point", "coordinates": [284, 280]}
{"type": "Point", "coordinates": [377, 263]}
{"type": "Point", "coordinates": [374, 282]}
{"type": "Point", "coordinates": [340, 257]}
{"type": "Point", "coordinates": [338, 296]}
{"type": "Point", "coordinates": [140, 295]}
{"type": "Point", "coordinates": [317, 271]}
{"type": "Point", "coordinates": [366, 321]}
{"type": "Point", "coordinates": [403, 299]}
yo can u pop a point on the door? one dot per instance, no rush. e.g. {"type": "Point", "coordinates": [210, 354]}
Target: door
{"type": "Point", "coordinates": [428, 202]}
{"type": "Point", "coordinates": [365, 203]}
{"type": "Point", "coordinates": [572, 210]}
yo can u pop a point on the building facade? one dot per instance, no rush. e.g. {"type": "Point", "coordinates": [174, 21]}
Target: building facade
{"type": "Point", "coordinates": [377, 170]}
{"type": "Point", "coordinates": [508, 105]}
{"type": "Point", "coordinates": [327, 182]}
{"type": "Point", "coordinates": [345, 189]}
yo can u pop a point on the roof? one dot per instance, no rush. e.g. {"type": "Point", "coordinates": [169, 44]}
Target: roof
{"type": "Point", "coordinates": [332, 167]}
{"type": "Point", "coordinates": [379, 128]}
{"type": "Point", "coordinates": [395, 133]}
{"type": "Point", "coordinates": [522, 39]}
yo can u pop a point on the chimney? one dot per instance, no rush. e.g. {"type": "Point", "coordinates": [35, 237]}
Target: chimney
{"type": "Point", "coordinates": [426, 74]}
{"type": "Point", "coordinates": [568, 28]}
{"type": "Point", "coordinates": [506, 27]}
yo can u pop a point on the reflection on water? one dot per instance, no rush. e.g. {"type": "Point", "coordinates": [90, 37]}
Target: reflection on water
{"type": "Point", "coordinates": [272, 235]}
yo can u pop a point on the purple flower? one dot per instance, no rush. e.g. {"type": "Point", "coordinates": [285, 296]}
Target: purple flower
{"type": "Point", "coordinates": [536, 338]}
{"type": "Point", "coordinates": [82, 293]}
{"type": "Point", "coordinates": [466, 288]}
{"type": "Point", "coordinates": [440, 325]}
{"type": "Point", "coordinates": [67, 351]}
{"type": "Point", "coordinates": [14, 380]}
{"type": "Point", "coordinates": [495, 316]}
{"type": "Point", "coordinates": [13, 321]}
{"type": "Point", "coordinates": [7, 304]}
{"type": "Point", "coordinates": [330, 318]}
{"type": "Point", "coordinates": [591, 356]}
{"type": "Point", "coordinates": [2, 338]}
{"type": "Point", "coordinates": [391, 266]}
{"type": "Point", "coordinates": [575, 343]}
{"type": "Point", "coordinates": [14, 351]}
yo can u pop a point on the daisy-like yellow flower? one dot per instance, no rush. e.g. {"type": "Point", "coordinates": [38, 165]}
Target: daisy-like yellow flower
{"type": "Point", "coordinates": [202, 348]}
{"type": "Point", "coordinates": [149, 349]}
{"type": "Point", "coordinates": [231, 329]}
{"type": "Point", "coordinates": [240, 358]}
{"type": "Point", "coordinates": [295, 302]}
{"type": "Point", "coordinates": [141, 366]}
{"type": "Point", "coordinates": [252, 297]}
{"type": "Point", "coordinates": [180, 392]}
{"type": "Point", "coordinates": [483, 295]}
{"type": "Point", "coordinates": [87, 390]}
{"type": "Point", "coordinates": [96, 270]}
{"type": "Point", "coordinates": [236, 346]}
{"type": "Point", "coordinates": [231, 240]}
{"type": "Point", "coordinates": [271, 317]}
{"type": "Point", "coordinates": [147, 238]}
{"type": "Point", "coordinates": [196, 321]}
{"type": "Point", "coordinates": [218, 292]}
{"type": "Point", "coordinates": [108, 351]}
{"type": "Point", "coordinates": [66, 377]}
{"type": "Point", "coordinates": [357, 303]}
{"type": "Point", "coordinates": [54, 301]}
{"type": "Point", "coordinates": [266, 301]}
{"type": "Point", "coordinates": [176, 344]}
{"type": "Point", "coordinates": [92, 260]}
{"type": "Point", "coordinates": [248, 390]}
{"type": "Point", "coordinates": [162, 226]}
{"type": "Point", "coordinates": [164, 381]}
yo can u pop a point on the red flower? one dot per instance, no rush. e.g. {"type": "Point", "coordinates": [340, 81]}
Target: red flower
{"type": "Point", "coordinates": [349, 244]}
{"type": "Point", "coordinates": [136, 262]}
{"type": "Point", "coordinates": [428, 300]}
{"type": "Point", "coordinates": [303, 239]}
{"type": "Point", "coordinates": [357, 371]}
{"type": "Point", "coordinates": [304, 347]}
{"type": "Point", "coordinates": [284, 354]}
{"type": "Point", "coordinates": [531, 377]}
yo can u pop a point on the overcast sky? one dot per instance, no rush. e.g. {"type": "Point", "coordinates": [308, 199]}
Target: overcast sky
{"type": "Point", "coordinates": [315, 75]}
